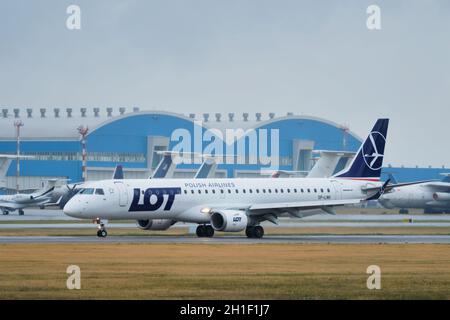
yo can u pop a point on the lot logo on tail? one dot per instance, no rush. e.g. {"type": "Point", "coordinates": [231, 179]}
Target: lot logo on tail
{"type": "Point", "coordinates": [371, 156]}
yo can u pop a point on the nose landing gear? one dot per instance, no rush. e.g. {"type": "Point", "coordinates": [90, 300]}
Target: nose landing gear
{"type": "Point", "coordinates": [101, 232]}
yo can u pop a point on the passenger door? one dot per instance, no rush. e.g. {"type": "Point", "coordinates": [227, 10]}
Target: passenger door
{"type": "Point", "coordinates": [123, 194]}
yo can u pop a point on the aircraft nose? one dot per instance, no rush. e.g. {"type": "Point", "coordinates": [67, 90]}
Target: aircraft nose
{"type": "Point", "coordinates": [72, 208]}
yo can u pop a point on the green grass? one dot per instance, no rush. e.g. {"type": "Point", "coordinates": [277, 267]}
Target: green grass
{"type": "Point", "coordinates": [206, 271]}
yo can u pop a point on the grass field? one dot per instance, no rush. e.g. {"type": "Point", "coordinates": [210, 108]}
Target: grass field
{"type": "Point", "coordinates": [205, 271]}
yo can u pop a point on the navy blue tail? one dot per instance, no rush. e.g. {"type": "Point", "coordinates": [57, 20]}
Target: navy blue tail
{"type": "Point", "coordinates": [163, 167]}
{"type": "Point", "coordinates": [118, 172]}
{"type": "Point", "coordinates": [369, 158]}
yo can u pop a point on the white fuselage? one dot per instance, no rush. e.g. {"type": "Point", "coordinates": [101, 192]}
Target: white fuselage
{"type": "Point", "coordinates": [21, 201]}
{"type": "Point", "coordinates": [188, 199]}
{"type": "Point", "coordinates": [417, 196]}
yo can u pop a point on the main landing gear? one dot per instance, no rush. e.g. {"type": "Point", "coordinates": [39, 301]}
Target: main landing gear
{"type": "Point", "coordinates": [5, 212]}
{"type": "Point", "coordinates": [101, 232]}
{"type": "Point", "coordinates": [21, 212]}
{"type": "Point", "coordinates": [254, 232]}
{"type": "Point", "coordinates": [205, 231]}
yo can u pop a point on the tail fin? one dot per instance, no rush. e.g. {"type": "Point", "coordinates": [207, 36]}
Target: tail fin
{"type": "Point", "coordinates": [207, 169]}
{"type": "Point", "coordinates": [165, 165]}
{"type": "Point", "coordinates": [369, 159]}
{"type": "Point", "coordinates": [118, 172]}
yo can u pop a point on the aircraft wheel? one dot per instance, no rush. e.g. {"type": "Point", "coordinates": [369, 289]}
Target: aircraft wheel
{"type": "Point", "coordinates": [431, 211]}
{"type": "Point", "coordinates": [102, 233]}
{"type": "Point", "coordinates": [21, 212]}
{"type": "Point", "coordinates": [201, 231]}
{"type": "Point", "coordinates": [254, 232]}
{"type": "Point", "coordinates": [258, 232]}
{"type": "Point", "coordinates": [5, 213]}
{"type": "Point", "coordinates": [249, 231]}
{"type": "Point", "coordinates": [209, 231]}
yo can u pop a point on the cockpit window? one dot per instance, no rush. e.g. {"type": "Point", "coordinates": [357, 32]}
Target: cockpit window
{"type": "Point", "coordinates": [87, 191]}
{"type": "Point", "coordinates": [100, 191]}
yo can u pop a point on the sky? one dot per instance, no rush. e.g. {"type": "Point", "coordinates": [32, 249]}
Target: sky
{"type": "Point", "coordinates": [315, 58]}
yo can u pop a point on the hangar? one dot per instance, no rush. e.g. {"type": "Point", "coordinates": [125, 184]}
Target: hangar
{"type": "Point", "coordinates": [135, 138]}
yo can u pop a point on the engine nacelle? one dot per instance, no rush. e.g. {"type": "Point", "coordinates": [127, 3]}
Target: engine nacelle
{"type": "Point", "coordinates": [441, 196]}
{"type": "Point", "coordinates": [229, 220]}
{"type": "Point", "coordinates": [155, 224]}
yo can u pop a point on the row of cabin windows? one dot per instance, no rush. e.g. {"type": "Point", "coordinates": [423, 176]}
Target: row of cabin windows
{"type": "Point", "coordinates": [295, 190]}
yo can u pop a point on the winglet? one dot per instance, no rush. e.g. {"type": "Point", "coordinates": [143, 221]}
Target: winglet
{"type": "Point", "coordinates": [380, 192]}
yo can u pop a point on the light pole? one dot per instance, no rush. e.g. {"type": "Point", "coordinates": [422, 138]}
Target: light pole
{"type": "Point", "coordinates": [18, 124]}
{"type": "Point", "coordinates": [345, 129]}
{"type": "Point", "coordinates": [83, 131]}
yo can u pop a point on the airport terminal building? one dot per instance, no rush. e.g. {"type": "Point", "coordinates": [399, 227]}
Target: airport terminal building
{"type": "Point", "coordinates": [136, 138]}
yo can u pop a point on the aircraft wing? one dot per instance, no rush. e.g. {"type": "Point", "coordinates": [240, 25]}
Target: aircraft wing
{"type": "Point", "coordinates": [439, 186]}
{"type": "Point", "coordinates": [298, 209]}
{"type": "Point", "coordinates": [389, 187]}
{"type": "Point", "coordinates": [300, 205]}
{"type": "Point", "coordinates": [50, 204]}
{"type": "Point", "coordinates": [43, 193]}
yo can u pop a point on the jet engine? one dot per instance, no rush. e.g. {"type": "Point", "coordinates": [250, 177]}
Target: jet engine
{"type": "Point", "coordinates": [441, 196]}
{"type": "Point", "coordinates": [229, 220]}
{"type": "Point", "coordinates": [155, 224]}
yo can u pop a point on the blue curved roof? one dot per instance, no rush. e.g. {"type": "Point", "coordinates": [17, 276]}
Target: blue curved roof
{"type": "Point", "coordinates": [129, 132]}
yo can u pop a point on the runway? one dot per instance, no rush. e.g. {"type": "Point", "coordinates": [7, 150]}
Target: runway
{"type": "Point", "coordinates": [280, 225]}
{"type": "Point", "coordinates": [56, 219]}
{"type": "Point", "coordinates": [344, 239]}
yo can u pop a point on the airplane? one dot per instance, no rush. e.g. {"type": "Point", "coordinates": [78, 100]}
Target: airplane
{"type": "Point", "coordinates": [432, 196]}
{"type": "Point", "coordinates": [20, 201]}
{"type": "Point", "coordinates": [234, 204]}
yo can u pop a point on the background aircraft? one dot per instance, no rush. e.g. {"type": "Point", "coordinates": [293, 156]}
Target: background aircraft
{"type": "Point", "coordinates": [432, 196]}
{"type": "Point", "coordinates": [21, 201]}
